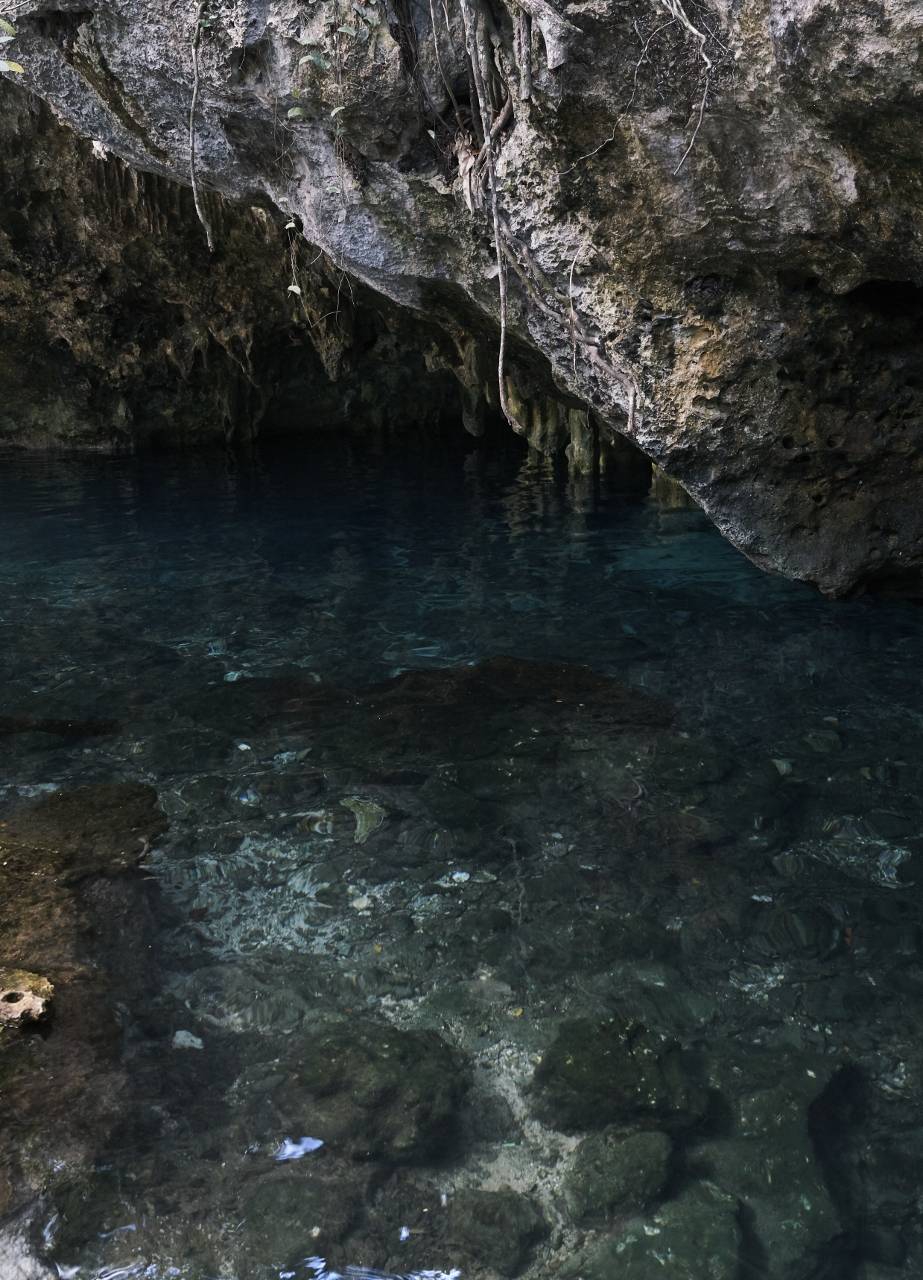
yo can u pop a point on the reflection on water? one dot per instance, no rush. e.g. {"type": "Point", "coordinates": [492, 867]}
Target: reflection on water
{"type": "Point", "coordinates": [541, 894]}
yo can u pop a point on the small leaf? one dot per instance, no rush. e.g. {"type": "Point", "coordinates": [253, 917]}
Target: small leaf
{"type": "Point", "coordinates": [346, 31]}
{"type": "Point", "coordinates": [316, 58]}
{"type": "Point", "coordinates": [295, 113]}
{"type": "Point", "coordinates": [295, 288]}
{"type": "Point", "coordinates": [336, 110]}
{"type": "Point", "coordinates": [11, 66]}
{"type": "Point", "coordinates": [7, 27]}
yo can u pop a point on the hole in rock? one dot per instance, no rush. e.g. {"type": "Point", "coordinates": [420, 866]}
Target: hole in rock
{"type": "Point", "coordinates": [13, 997]}
{"type": "Point", "coordinates": [888, 298]}
{"type": "Point", "coordinates": [798, 281]}
{"type": "Point", "coordinates": [897, 582]}
{"type": "Point", "coordinates": [62, 27]}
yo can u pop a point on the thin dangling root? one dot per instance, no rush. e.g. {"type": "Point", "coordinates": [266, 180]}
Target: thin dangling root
{"type": "Point", "coordinates": [510, 253]}
{"type": "Point", "coordinates": [676, 10]}
{"type": "Point", "coordinates": [442, 74]}
{"type": "Point", "coordinates": [471, 35]}
{"type": "Point", "coordinates": [523, 54]}
{"type": "Point", "coordinates": [193, 178]}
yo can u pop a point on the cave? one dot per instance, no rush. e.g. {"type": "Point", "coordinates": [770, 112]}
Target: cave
{"type": "Point", "coordinates": [461, 554]}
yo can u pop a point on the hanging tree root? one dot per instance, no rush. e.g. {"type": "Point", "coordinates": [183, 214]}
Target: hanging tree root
{"type": "Point", "coordinates": [523, 53]}
{"type": "Point", "coordinates": [676, 10]}
{"type": "Point", "coordinates": [677, 15]}
{"type": "Point", "coordinates": [442, 75]}
{"type": "Point", "coordinates": [193, 178]}
{"type": "Point", "coordinates": [477, 169]}
{"type": "Point", "coordinates": [480, 93]}
{"type": "Point", "coordinates": [557, 31]}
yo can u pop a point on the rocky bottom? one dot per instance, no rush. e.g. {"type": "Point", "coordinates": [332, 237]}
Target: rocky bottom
{"type": "Point", "coordinates": [369, 948]}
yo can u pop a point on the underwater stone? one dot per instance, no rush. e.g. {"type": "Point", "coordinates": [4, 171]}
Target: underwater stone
{"type": "Point", "coordinates": [52, 729]}
{"type": "Point", "coordinates": [282, 1214]}
{"type": "Point", "coordinates": [100, 829]}
{"type": "Point", "coordinates": [694, 1237]}
{"type": "Point", "coordinates": [599, 1073]}
{"type": "Point", "coordinates": [376, 1092]}
{"type": "Point", "coordinates": [615, 1171]}
{"type": "Point", "coordinates": [499, 1228]}
{"type": "Point", "coordinates": [769, 1162]}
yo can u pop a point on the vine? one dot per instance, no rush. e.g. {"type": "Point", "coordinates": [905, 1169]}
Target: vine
{"type": "Point", "coordinates": [200, 22]}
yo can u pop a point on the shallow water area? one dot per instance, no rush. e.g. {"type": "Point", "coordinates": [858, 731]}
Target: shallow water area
{"type": "Point", "coordinates": [537, 889]}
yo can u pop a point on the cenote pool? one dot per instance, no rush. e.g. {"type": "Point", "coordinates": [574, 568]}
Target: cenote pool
{"type": "Point", "coordinates": [455, 870]}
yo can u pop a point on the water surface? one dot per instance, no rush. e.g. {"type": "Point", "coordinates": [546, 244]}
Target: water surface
{"type": "Point", "coordinates": [521, 833]}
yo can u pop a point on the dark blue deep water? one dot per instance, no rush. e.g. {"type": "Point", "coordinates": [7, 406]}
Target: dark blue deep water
{"type": "Point", "coordinates": [551, 868]}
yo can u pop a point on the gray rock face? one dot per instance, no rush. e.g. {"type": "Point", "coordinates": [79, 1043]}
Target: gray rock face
{"type": "Point", "coordinates": [711, 234]}
{"type": "Point", "coordinates": [119, 331]}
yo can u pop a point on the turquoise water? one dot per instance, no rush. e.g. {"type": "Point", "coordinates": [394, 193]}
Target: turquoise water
{"type": "Point", "coordinates": [552, 869]}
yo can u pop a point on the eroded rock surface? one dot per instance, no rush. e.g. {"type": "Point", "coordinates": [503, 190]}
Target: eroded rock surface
{"type": "Point", "coordinates": [120, 332]}
{"type": "Point", "coordinates": [24, 997]}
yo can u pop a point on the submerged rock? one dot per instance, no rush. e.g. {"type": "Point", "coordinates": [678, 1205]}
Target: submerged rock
{"type": "Point", "coordinates": [99, 829]}
{"type": "Point", "coordinates": [694, 1237]}
{"type": "Point", "coordinates": [19, 1256]}
{"type": "Point", "coordinates": [412, 1227]}
{"type": "Point", "coordinates": [599, 1073]}
{"type": "Point", "coordinates": [379, 1093]}
{"type": "Point", "coordinates": [25, 724]}
{"type": "Point", "coordinates": [769, 1161]}
{"type": "Point", "coordinates": [617, 1171]}
{"type": "Point", "coordinates": [287, 1217]}
{"type": "Point", "coordinates": [497, 1228]}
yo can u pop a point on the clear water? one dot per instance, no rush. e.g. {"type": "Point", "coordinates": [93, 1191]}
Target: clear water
{"type": "Point", "coordinates": [529, 863]}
